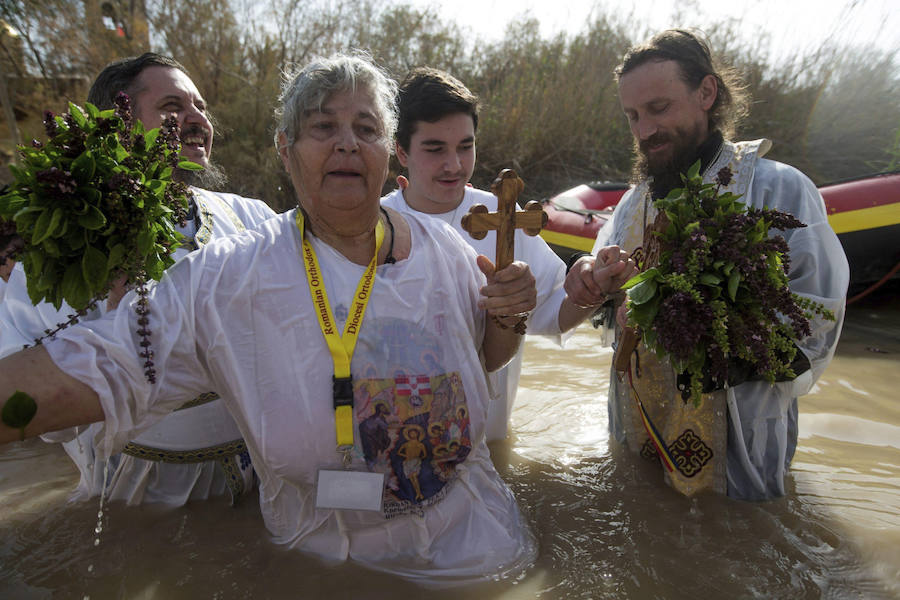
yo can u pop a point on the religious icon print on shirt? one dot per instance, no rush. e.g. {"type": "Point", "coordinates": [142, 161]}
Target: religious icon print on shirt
{"type": "Point", "coordinates": [414, 424]}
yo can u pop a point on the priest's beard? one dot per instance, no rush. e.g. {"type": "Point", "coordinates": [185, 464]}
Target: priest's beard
{"type": "Point", "coordinates": [210, 178]}
{"type": "Point", "coordinates": [665, 173]}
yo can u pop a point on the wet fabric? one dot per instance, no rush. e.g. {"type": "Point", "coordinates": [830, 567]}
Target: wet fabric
{"type": "Point", "coordinates": [549, 273]}
{"type": "Point", "coordinates": [237, 317]}
{"type": "Point", "coordinates": [193, 454]}
{"type": "Point", "coordinates": [761, 418]}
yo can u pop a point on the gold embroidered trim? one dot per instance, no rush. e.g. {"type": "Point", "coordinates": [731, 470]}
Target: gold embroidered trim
{"type": "Point", "coordinates": [234, 478]}
{"type": "Point", "coordinates": [217, 452]}
{"type": "Point", "coordinates": [199, 400]}
{"type": "Point", "coordinates": [204, 234]}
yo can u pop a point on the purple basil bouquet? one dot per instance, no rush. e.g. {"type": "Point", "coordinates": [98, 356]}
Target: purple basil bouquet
{"type": "Point", "coordinates": [717, 304]}
{"type": "Point", "coordinates": [95, 205]}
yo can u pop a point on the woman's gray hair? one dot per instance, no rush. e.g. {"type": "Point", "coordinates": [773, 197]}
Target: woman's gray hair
{"type": "Point", "coordinates": [307, 89]}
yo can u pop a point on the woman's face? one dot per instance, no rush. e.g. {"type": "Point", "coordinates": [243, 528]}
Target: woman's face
{"type": "Point", "coordinates": [339, 162]}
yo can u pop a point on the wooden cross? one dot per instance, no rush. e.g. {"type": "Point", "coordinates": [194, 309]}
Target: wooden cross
{"type": "Point", "coordinates": [478, 221]}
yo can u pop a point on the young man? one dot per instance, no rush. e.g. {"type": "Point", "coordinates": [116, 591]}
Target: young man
{"type": "Point", "coordinates": [436, 144]}
{"type": "Point", "coordinates": [197, 451]}
{"type": "Point", "coordinates": [681, 109]}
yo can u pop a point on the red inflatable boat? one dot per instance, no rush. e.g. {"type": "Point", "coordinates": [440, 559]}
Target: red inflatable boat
{"type": "Point", "coordinates": [864, 212]}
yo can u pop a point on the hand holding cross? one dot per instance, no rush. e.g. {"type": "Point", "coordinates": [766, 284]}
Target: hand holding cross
{"type": "Point", "coordinates": [505, 221]}
{"type": "Point", "coordinates": [478, 221]}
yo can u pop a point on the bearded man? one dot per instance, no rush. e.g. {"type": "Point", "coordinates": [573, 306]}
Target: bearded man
{"type": "Point", "coordinates": [682, 109]}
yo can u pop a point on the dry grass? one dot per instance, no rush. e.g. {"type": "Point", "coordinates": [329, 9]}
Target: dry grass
{"type": "Point", "coordinates": [550, 105]}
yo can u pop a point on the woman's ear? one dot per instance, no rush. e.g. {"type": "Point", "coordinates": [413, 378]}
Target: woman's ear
{"type": "Point", "coordinates": [284, 150]}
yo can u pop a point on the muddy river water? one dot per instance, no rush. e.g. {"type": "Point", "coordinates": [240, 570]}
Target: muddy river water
{"type": "Point", "coordinates": [606, 524]}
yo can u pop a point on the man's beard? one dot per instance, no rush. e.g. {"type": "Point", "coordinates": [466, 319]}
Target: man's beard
{"type": "Point", "coordinates": [212, 177]}
{"type": "Point", "coordinates": [666, 174]}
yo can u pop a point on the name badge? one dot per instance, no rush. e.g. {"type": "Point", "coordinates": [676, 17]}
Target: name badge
{"type": "Point", "coordinates": [352, 490]}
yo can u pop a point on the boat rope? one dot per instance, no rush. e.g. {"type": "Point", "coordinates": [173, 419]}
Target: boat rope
{"type": "Point", "coordinates": [875, 285]}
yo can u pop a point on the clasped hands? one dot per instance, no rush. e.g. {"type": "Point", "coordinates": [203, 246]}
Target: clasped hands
{"type": "Point", "coordinates": [592, 278]}
{"type": "Point", "coordinates": [511, 292]}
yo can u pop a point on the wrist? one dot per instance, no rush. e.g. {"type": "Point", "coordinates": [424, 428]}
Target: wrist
{"type": "Point", "coordinates": [515, 322]}
{"type": "Point", "coordinates": [594, 304]}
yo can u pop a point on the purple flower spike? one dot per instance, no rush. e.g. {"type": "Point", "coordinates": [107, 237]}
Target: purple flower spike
{"type": "Point", "coordinates": [724, 176]}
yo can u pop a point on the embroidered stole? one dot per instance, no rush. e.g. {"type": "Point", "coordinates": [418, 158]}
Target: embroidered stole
{"type": "Point", "coordinates": [207, 221]}
{"type": "Point", "coordinates": [692, 439]}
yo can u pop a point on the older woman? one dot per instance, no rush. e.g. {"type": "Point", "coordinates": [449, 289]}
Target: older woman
{"type": "Point", "coordinates": [348, 343]}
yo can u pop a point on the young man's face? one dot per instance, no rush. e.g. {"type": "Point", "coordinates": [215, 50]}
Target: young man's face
{"type": "Point", "coordinates": [164, 91]}
{"type": "Point", "coordinates": [667, 118]}
{"type": "Point", "coordinates": [440, 161]}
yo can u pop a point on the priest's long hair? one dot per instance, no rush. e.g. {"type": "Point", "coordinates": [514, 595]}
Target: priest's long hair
{"type": "Point", "coordinates": [691, 51]}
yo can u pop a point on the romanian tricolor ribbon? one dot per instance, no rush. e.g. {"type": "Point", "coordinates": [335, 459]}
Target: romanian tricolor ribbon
{"type": "Point", "coordinates": [655, 437]}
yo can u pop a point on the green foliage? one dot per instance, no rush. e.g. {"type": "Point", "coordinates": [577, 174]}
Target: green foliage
{"type": "Point", "coordinates": [95, 203]}
{"type": "Point", "coordinates": [18, 411]}
{"type": "Point", "coordinates": [720, 291]}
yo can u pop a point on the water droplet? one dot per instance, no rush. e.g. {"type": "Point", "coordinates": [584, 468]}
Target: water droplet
{"type": "Point", "coordinates": [90, 568]}
{"type": "Point", "coordinates": [99, 528]}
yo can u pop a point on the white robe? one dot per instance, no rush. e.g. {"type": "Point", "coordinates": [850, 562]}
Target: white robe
{"type": "Point", "coordinates": [132, 479]}
{"type": "Point", "coordinates": [237, 317]}
{"type": "Point", "coordinates": [21, 322]}
{"type": "Point", "coordinates": [549, 273]}
{"type": "Point", "coordinates": [762, 418]}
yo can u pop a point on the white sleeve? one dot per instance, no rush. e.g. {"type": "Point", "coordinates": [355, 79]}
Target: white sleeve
{"type": "Point", "coordinates": [259, 211]}
{"type": "Point", "coordinates": [21, 322]}
{"type": "Point", "coordinates": [609, 234]}
{"type": "Point", "coordinates": [104, 354]}
{"type": "Point", "coordinates": [818, 270]}
{"type": "Point", "coordinates": [549, 274]}
{"type": "Point", "coordinates": [251, 212]}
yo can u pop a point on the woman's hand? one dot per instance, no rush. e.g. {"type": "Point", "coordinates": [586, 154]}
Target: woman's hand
{"type": "Point", "coordinates": [508, 297]}
{"type": "Point", "coordinates": [510, 291]}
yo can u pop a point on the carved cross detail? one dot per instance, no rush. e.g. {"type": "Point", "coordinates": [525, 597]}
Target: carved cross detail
{"type": "Point", "coordinates": [478, 221]}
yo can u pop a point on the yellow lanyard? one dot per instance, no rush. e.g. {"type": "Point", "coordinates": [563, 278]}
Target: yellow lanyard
{"type": "Point", "coordinates": [341, 347]}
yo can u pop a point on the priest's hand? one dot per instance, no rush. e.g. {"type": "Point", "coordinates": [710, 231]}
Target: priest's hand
{"type": "Point", "coordinates": [592, 278]}
{"type": "Point", "coordinates": [622, 316]}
